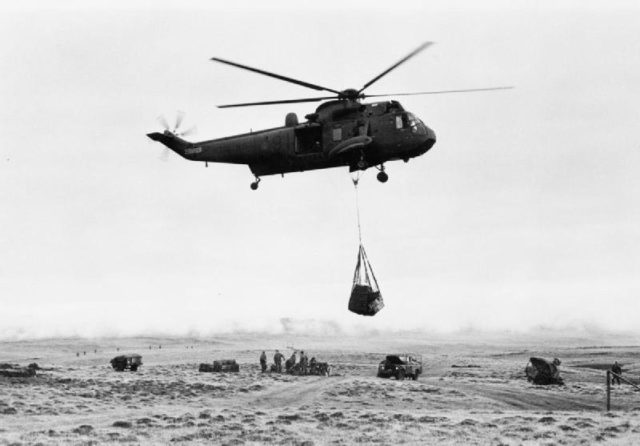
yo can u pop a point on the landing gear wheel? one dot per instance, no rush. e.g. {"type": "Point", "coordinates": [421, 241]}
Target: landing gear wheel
{"type": "Point", "coordinates": [382, 177]}
{"type": "Point", "coordinates": [254, 185]}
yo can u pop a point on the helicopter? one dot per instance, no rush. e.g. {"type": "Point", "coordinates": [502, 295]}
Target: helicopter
{"type": "Point", "coordinates": [343, 131]}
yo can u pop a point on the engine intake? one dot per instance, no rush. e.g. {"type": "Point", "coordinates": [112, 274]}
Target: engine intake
{"type": "Point", "coordinates": [291, 120]}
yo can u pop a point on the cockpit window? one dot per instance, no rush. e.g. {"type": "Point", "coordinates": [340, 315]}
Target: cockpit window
{"type": "Point", "coordinates": [412, 123]}
{"type": "Point", "coordinates": [409, 121]}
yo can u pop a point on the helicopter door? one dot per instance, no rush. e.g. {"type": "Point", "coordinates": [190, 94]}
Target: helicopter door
{"type": "Point", "coordinates": [308, 139]}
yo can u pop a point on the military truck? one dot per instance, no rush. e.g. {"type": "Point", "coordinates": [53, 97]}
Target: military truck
{"type": "Point", "coordinates": [124, 362]}
{"type": "Point", "coordinates": [401, 366]}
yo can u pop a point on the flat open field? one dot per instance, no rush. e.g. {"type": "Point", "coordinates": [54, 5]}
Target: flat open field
{"type": "Point", "coordinates": [471, 393]}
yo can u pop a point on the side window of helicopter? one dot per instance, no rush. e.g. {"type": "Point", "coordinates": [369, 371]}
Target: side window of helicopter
{"type": "Point", "coordinates": [398, 122]}
{"type": "Point", "coordinates": [308, 140]}
{"type": "Point", "coordinates": [337, 133]}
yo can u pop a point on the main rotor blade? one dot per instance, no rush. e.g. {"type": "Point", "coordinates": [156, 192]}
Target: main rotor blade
{"type": "Point", "coordinates": [284, 101]}
{"type": "Point", "coordinates": [439, 92]}
{"type": "Point", "coordinates": [277, 76]}
{"type": "Point", "coordinates": [400, 62]}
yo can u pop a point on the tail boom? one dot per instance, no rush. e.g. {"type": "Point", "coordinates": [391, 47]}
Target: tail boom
{"type": "Point", "coordinates": [178, 145]}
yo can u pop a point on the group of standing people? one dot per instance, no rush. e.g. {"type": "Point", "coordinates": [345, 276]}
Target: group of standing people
{"type": "Point", "coordinates": [289, 364]}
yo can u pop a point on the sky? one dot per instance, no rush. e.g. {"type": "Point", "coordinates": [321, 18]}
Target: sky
{"type": "Point", "coordinates": [525, 214]}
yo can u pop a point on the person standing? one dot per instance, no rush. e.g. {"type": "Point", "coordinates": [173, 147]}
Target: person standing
{"type": "Point", "coordinates": [617, 370]}
{"type": "Point", "coordinates": [263, 362]}
{"type": "Point", "coordinates": [277, 359]}
{"type": "Point", "coordinates": [304, 362]}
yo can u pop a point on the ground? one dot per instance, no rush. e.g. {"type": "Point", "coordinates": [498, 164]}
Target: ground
{"type": "Point", "coordinates": [470, 393]}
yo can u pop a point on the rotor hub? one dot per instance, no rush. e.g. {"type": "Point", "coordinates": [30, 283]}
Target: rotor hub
{"type": "Point", "coordinates": [350, 94]}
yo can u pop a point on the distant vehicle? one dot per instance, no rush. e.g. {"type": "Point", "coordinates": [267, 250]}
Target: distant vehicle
{"type": "Point", "coordinates": [222, 365]}
{"type": "Point", "coordinates": [541, 371]}
{"type": "Point", "coordinates": [401, 366]}
{"type": "Point", "coordinates": [16, 371]}
{"type": "Point", "coordinates": [123, 362]}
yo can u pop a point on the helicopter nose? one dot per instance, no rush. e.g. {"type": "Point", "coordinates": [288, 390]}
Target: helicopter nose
{"type": "Point", "coordinates": [430, 139]}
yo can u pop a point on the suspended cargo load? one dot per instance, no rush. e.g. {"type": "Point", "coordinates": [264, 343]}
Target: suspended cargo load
{"type": "Point", "coordinates": [366, 299]}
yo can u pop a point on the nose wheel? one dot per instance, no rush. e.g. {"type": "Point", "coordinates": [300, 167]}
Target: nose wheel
{"type": "Point", "coordinates": [382, 175]}
{"type": "Point", "coordinates": [254, 185]}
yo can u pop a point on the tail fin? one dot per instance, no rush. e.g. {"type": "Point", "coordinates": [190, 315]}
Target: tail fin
{"type": "Point", "coordinates": [170, 140]}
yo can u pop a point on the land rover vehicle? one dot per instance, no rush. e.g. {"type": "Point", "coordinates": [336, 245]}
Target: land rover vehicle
{"type": "Point", "coordinates": [401, 366]}
{"type": "Point", "coordinates": [123, 362]}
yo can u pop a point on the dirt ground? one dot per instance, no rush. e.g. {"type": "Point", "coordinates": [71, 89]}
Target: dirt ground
{"type": "Point", "coordinates": [472, 392]}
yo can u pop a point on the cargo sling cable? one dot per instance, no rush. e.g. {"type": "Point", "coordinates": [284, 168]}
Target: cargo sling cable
{"type": "Point", "coordinates": [363, 260]}
{"type": "Point", "coordinates": [366, 299]}
{"type": "Point", "coordinates": [355, 185]}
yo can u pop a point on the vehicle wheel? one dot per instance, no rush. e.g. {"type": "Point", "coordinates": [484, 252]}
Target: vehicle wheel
{"type": "Point", "coordinates": [400, 375]}
{"type": "Point", "coordinates": [134, 368]}
{"type": "Point", "coordinates": [415, 376]}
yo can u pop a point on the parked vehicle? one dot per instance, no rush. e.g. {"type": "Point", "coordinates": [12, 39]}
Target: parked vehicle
{"type": "Point", "coordinates": [222, 365]}
{"type": "Point", "coordinates": [401, 366]}
{"type": "Point", "coordinates": [123, 362]}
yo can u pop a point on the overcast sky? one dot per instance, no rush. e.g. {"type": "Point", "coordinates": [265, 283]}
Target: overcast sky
{"type": "Point", "coordinates": [525, 212]}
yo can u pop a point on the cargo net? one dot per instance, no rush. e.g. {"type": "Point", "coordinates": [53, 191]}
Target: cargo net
{"type": "Point", "coordinates": [365, 293]}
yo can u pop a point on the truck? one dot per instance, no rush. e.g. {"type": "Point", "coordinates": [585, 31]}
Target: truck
{"type": "Point", "coordinates": [123, 362]}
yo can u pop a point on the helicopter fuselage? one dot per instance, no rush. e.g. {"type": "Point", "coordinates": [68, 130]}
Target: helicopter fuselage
{"type": "Point", "coordinates": [339, 133]}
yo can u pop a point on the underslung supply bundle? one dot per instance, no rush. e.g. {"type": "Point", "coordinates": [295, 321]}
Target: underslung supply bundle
{"type": "Point", "coordinates": [366, 299]}
{"type": "Point", "coordinates": [365, 293]}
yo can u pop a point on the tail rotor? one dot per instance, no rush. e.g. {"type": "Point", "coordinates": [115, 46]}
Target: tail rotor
{"type": "Point", "coordinates": [175, 130]}
{"type": "Point", "coordinates": [176, 127]}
